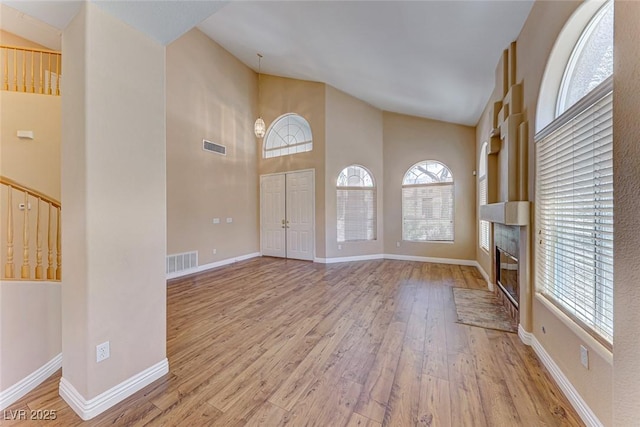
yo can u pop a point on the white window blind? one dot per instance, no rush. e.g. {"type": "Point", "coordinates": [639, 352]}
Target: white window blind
{"type": "Point", "coordinates": [356, 204]}
{"type": "Point", "coordinates": [484, 225]}
{"type": "Point", "coordinates": [574, 212]}
{"type": "Point", "coordinates": [483, 196]}
{"type": "Point", "coordinates": [428, 203]}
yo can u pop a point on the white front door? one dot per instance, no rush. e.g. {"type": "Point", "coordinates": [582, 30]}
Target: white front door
{"type": "Point", "coordinates": [299, 219]}
{"type": "Point", "coordinates": [272, 212]}
{"type": "Point", "coordinates": [286, 215]}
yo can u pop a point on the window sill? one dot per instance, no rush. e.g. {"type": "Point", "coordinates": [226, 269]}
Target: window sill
{"type": "Point", "coordinates": [583, 335]}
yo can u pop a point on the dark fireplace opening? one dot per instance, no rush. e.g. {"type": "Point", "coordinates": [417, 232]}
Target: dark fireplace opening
{"type": "Point", "coordinates": [507, 275]}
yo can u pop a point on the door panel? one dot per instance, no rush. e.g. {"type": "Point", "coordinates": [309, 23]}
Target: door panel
{"type": "Point", "coordinates": [299, 208]}
{"type": "Point", "coordinates": [272, 214]}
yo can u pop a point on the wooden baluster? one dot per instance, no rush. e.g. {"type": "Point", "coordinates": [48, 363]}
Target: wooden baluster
{"type": "Point", "coordinates": [38, 245]}
{"type": "Point", "coordinates": [25, 273]}
{"type": "Point", "coordinates": [41, 77]}
{"type": "Point", "coordinates": [24, 71]}
{"type": "Point", "coordinates": [57, 74]}
{"type": "Point", "coordinates": [58, 249]}
{"type": "Point", "coordinates": [33, 79]}
{"type": "Point", "coordinates": [49, 90]}
{"type": "Point", "coordinates": [6, 69]}
{"type": "Point", "coordinates": [50, 269]}
{"type": "Point", "coordinates": [15, 70]}
{"type": "Point", "coordinates": [8, 268]}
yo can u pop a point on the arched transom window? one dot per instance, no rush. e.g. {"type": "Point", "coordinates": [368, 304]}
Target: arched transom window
{"type": "Point", "coordinates": [356, 202]}
{"type": "Point", "coordinates": [289, 134]}
{"type": "Point", "coordinates": [427, 203]}
{"type": "Point", "coordinates": [591, 61]}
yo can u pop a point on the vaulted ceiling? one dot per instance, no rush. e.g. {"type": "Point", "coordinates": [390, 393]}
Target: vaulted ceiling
{"type": "Point", "coordinates": [432, 59]}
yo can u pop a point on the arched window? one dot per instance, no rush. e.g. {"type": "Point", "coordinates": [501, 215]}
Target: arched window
{"type": "Point", "coordinates": [356, 201]}
{"type": "Point", "coordinates": [591, 61]}
{"type": "Point", "coordinates": [574, 185]}
{"type": "Point", "coordinates": [427, 203]}
{"type": "Point", "coordinates": [289, 134]}
{"type": "Point", "coordinates": [483, 196]}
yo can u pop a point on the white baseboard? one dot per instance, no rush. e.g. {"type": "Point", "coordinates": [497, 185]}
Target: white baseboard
{"type": "Point", "coordinates": [485, 275]}
{"type": "Point", "coordinates": [578, 403]}
{"type": "Point", "coordinates": [88, 409]}
{"type": "Point", "coordinates": [209, 266]}
{"type": "Point", "coordinates": [525, 337]}
{"type": "Point", "coordinates": [348, 258]}
{"type": "Point", "coordinates": [33, 380]}
{"type": "Point", "coordinates": [467, 262]}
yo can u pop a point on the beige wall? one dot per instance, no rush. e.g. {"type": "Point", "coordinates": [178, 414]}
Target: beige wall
{"type": "Point", "coordinates": [10, 39]}
{"type": "Point", "coordinates": [210, 95]}
{"type": "Point", "coordinates": [29, 328]}
{"type": "Point", "coordinates": [559, 340]}
{"type": "Point", "coordinates": [626, 161]}
{"type": "Point", "coordinates": [34, 163]}
{"type": "Point", "coordinates": [114, 185]}
{"type": "Point", "coordinates": [354, 136]}
{"type": "Point", "coordinates": [279, 96]}
{"type": "Point", "coordinates": [408, 140]}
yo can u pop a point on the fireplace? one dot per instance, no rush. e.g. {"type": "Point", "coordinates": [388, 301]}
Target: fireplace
{"type": "Point", "coordinates": [507, 275]}
{"type": "Point", "coordinates": [507, 252]}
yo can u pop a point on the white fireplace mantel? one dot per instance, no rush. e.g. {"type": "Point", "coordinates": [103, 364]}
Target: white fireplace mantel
{"type": "Point", "coordinates": [507, 213]}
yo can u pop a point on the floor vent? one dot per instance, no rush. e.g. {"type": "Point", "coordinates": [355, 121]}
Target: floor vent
{"type": "Point", "coordinates": [182, 262]}
{"type": "Point", "coordinates": [213, 147]}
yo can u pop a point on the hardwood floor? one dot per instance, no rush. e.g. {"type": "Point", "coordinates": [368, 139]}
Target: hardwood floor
{"type": "Point", "coordinates": [271, 342]}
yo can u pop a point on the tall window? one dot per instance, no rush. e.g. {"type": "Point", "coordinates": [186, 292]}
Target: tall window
{"type": "Point", "coordinates": [356, 200]}
{"type": "Point", "coordinates": [427, 203]}
{"type": "Point", "coordinates": [483, 196]}
{"type": "Point", "coordinates": [289, 134]}
{"type": "Point", "coordinates": [574, 181]}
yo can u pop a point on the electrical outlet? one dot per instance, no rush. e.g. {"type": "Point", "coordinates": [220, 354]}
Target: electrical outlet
{"type": "Point", "coordinates": [215, 251]}
{"type": "Point", "coordinates": [339, 247]}
{"type": "Point", "coordinates": [102, 351]}
{"type": "Point", "coordinates": [584, 356]}
{"type": "Point", "coordinates": [216, 220]}
{"type": "Point", "coordinates": [229, 220]}
{"type": "Point", "coordinates": [397, 244]}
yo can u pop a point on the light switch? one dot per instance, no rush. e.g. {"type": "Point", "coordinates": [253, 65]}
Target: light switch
{"type": "Point", "coordinates": [25, 134]}
{"type": "Point", "coordinates": [216, 220]}
{"type": "Point", "coordinates": [229, 220]}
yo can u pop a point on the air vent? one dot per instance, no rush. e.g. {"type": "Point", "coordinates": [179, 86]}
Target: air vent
{"type": "Point", "coordinates": [181, 262]}
{"type": "Point", "coordinates": [213, 147]}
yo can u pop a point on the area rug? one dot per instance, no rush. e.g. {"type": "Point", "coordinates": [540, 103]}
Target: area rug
{"type": "Point", "coordinates": [477, 307]}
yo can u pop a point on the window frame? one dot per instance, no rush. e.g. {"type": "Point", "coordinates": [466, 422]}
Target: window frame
{"type": "Point", "coordinates": [484, 227]}
{"type": "Point", "coordinates": [591, 308]}
{"type": "Point", "coordinates": [359, 188]}
{"type": "Point", "coordinates": [450, 184]}
{"type": "Point", "coordinates": [273, 127]}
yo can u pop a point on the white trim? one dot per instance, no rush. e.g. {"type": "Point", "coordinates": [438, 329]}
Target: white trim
{"type": "Point", "coordinates": [485, 275]}
{"type": "Point", "coordinates": [211, 265]}
{"type": "Point", "coordinates": [348, 259]}
{"type": "Point", "coordinates": [467, 262]}
{"type": "Point", "coordinates": [578, 403]}
{"type": "Point", "coordinates": [28, 383]}
{"type": "Point", "coordinates": [88, 409]}
{"type": "Point", "coordinates": [525, 337]}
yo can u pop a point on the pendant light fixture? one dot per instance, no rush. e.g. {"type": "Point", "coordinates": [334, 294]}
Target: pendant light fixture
{"type": "Point", "coordinates": [259, 127]}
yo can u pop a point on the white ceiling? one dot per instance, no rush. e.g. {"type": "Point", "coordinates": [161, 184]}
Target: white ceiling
{"type": "Point", "coordinates": [433, 59]}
